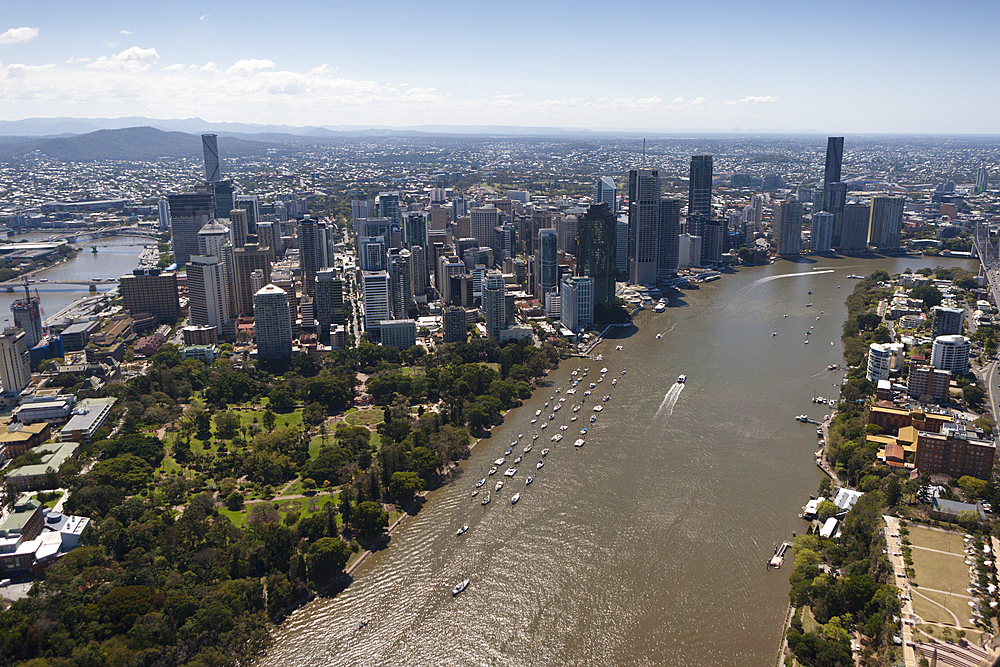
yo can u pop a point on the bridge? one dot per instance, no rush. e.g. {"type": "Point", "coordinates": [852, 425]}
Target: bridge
{"type": "Point", "coordinates": [35, 283]}
{"type": "Point", "coordinates": [989, 258]}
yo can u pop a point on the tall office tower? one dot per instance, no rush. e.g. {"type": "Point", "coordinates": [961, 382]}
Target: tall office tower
{"type": "Point", "coordinates": [188, 214]}
{"type": "Point", "coordinates": [597, 252]}
{"type": "Point", "coordinates": [454, 325]}
{"type": "Point", "coordinates": [834, 160]}
{"type": "Point", "coordinates": [566, 228]}
{"type": "Point", "coordinates": [415, 228]}
{"type": "Point", "coordinates": [269, 234]}
{"type": "Point", "coordinates": [447, 266]}
{"type": "Point", "coordinates": [621, 247]}
{"type": "Point", "coordinates": [420, 275]}
{"type": "Point", "coordinates": [605, 192]}
{"type": "Point", "coordinates": [788, 228]}
{"type": "Point", "coordinates": [546, 262]}
{"type": "Point", "coordinates": [541, 218]}
{"type": "Point", "coordinates": [387, 206]}
{"type": "Point", "coordinates": [163, 212]}
{"type": "Point", "coordinates": [362, 208]}
{"type": "Point", "coordinates": [309, 253]}
{"type": "Point", "coordinates": [484, 219]}
{"type": "Point", "coordinates": [224, 198]}
{"type": "Point", "coordinates": [758, 211]}
{"type": "Point", "coordinates": [982, 180]}
{"type": "Point", "coordinates": [670, 230]}
{"type": "Point", "coordinates": [376, 295]}
{"type": "Point", "coordinates": [150, 291]}
{"type": "Point", "coordinates": [371, 253]}
{"type": "Point", "coordinates": [505, 242]}
{"type": "Point", "coordinates": [459, 207]}
{"type": "Point", "coordinates": [855, 234]}
{"type": "Point", "coordinates": [377, 227]}
{"type": "Point", "coordinates": [700, 186]}
{"type": "Point", "coordinates": [330, 311]}
{"type": "Point", "coordinates": [400, 283]}
{"type": "Point", "coordinates": [886, 223]}
{"type": "Point", "coordinates": [644, 225]}
{"type": "Point", "coordinates": [238, 227]}
{"type": "Point", "coordinates": [494, 303]}
{"type": "Point", "coordinates": [249, 204]}
{"type": "Point", "coordinates": [835, 198]}
{"type": "Point", "coordinates": [28, 316]}
{"type": "Point", "coordinates": [576, 296]}
{"type": "Point", "coordinates": [246, 260]}
{"type": "Point", "coordinates": [212, 237]}
{"type": "Point", "coordinates": [463, 227]}
{"type": "Point", "coordinates": [947, 321]}
{"type": "Point", "coordinates": [822, 231]}
{"type": "Point", "coordinates": [439, 216]}
{"type": "Point", "coordinates": [15, 364]}
{"type": "Point", "coordinates": [213, 169]}
{"type": "Point", "coordinates": [207, 293]}
{"type": "Point", "coordinates": [713, 242]}
{"type": "Point", "coordinates": [272, 323]}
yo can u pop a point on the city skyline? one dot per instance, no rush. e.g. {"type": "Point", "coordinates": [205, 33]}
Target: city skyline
{"type": "Point", "coordinates": [419, 66]}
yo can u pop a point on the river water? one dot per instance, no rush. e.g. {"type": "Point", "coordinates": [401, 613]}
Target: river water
{"type": "Point", "coordinates": [648, 545]}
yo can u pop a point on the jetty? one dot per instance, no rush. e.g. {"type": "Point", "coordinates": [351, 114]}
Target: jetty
{"type": "Point", "coordinates": [778, 559]}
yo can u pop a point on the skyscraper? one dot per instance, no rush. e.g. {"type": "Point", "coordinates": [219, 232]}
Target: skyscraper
{"type": "Point", "coordinates": [713, 241]}
{"type": "Point", "coordinates": [834, 200]}
{"type": "Point", "coordinates": [700, 186]}
{"type": "Point", "coordinates": [605, 192]}
{"type": "Point", "coordinates": [494, 303]}
{"type": "Point", "coordinates": [238, 227]}
{"type": "Point", "coordinates": [598, 231]}
{"type": "Point", "coordinates": [982, 180]}
{"type": "Point", "coordinates": [245, 261]}
{"type": "Point", "coordinates": [249, 204]}
{"type": "Point", "coordinates": [400, 284]}
{"type": "Point", "coordinates": [669, 235]}
{"type": "Point", "coordinates": [644, 225]}
{"type": "Point", "coordinates": [224, 198]}
{"type": "Point", "coordinates": [387, 206]}
{"type": "Point", "coordinates": [886, 223]}
{"type": "Point", "coordinates": [329, 302]}
{"type": "Point", "coordinates": [309, 253]}
{"type": "Point", "coordinates": [855, 234]}
{"type": "Point", "coordinates": [375, 291]}
{"type": "Point", "coordinates": [546, 262]}
{"type": "Point", "coordinates": [576, 302]}
{"type": "Point", "coordinates": [788, 228]}
{"type": "Point", "coordinates": [15, 364]}
{"type": "Point", "coordinates": [151, 291]}
{"type": "Point", "coordinates": [272, 328]}
{"type": "Point", "coordinates": [163, 213]}
{"type": "Point", "coordinates": [822, 230]}
{"type": "Point", "coordinates": [210, 146]}
{"type": "Point", "coordinates": [834, 160]}
{"type": "Point", "coordinates": [207, 292]}
{"type": "Point", "coordinates": [621, 249]}
{"type": "Point", "coordinates": [484, 219]}
{"type": "Point", "coordinates": [188, 214]}
{"type": "Point", "coordinates": [212, 237]}
{"type": "Point", "coordinates": [28, 316]}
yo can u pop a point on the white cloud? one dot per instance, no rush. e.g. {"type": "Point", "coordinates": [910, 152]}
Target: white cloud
{"type": "Point", "coordinates": [127, 32]}
{"type": "Point", "coordinates": [322, 70]}
{"type": "Point", "coordinates": [752, 100]}
{"type": "Point", "coordinates": [19, 71]}
{"type": "Point", "coordinates": [203, 17]}
{"type": "Point", "coordinates": [250, 65]}
{"type": "Point", "coordinates": [639, 102]}
{"type": "Point", "coordinates": [15, 35]}
{"type": "Point", "coordinates": [81, 59]}
{"type": "Point", "coordinates": [210, 67]}
{"type": "Point", "coordinates": [132, 59]}
{"type": "Point", "coordinates": [173, 68]}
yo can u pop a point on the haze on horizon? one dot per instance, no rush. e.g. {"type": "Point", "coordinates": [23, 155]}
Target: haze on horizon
{"type": "Point", "coordinates": [714, 66]}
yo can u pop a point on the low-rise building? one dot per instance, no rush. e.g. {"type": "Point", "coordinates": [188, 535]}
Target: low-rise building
{"type": "Point", "coordinates": [401, 334]}
{"type": "Point", "coordinates": [19, 438]}
{"type": "Point", "coordinates": [36, 476]}
{"type": "Point", "coordinates": [928, 384]}
{"type": "Point", "coordinates": [955, 452]}
{"type": "Point", "coordinates": [88, 416]}
{"type": "Point", "coordinates": [207, 353]}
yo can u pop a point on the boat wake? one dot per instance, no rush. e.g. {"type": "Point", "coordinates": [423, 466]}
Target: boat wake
{"type": "Point", "coordinates": [669, 400]}
{"type": "Point", "coordinates": [784, 275]}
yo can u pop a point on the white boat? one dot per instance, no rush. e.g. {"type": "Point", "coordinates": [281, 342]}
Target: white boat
{"type": "Point", "coordinates": [519, 436]}
{"type": "Point", "coordinates": [592, 385]}
{"type": "Point", "coordinates": [598, 408]}
{"type": "Point", "coordinates": [574, 418]}
{"type": "Point", "coordinates": [461, 586]}
{"type": "Point", "coordinates": [576, 408]}
{"type": "Point", "coordinates": [534, 421]}
{"type": "Point", "coordinates": [480, 482]}
{"type": "Point", "coordinates": [571, 391]}
{"type": "Point", "coordinates": [556, 438]}
{"type": "Point", "coordinates": [486, 499]}
{"type": "Point", "coordinates": [475, 492]}
{"type": "Point", "coordinates": [802, 418]}
{"type": "Point", "coordinates": [518, 459]}
{"type": "Point", "coordinates": [681, 379]}
{"type": "Point", "coordinates": [593, 418]}
{"type": "Point", "coordinates": [544, 424]}
{"type": "Point", "coordinates": [604, 370]}
{"type": "Point", "coordinates": [538, 413]}
{"type": "Point", "coordinates": [540, 464]}
{"type": "Point", "coordinates": [510, 472]}
{"type": "Point", "coordinates": [606, 398]}
{"type": "Point", "coordinates": [462, 530]}
{"type": "Point", "coordinates": [514, 498]}
{"type": "Point", "coordinates": [528, 480]}
{"type": "Point", "coordinates": [545, 452]}
{"type": "Point", "coordinates": [527, 448]}
{"type": "Point", "coordinates": [552, 416]}
{"type": "Point", "coordinates": [493, 471]}
{"type": "Point", "coordinates": [534, 436]}
{"type": "Point", "coordinates": [586, 393]}
{"type": "Point", "coordinates": [499, 485]}
{"type": "Point", "coordinates": [563, 427]}
{"type": "Point", "coordinates": [614, 382]}
{"type": "Point", "coordinates": [579, 442]}
{"type": "Point", "coordinates": [659, 336]}
{"type": "Point", "coordinates": [500, 461]}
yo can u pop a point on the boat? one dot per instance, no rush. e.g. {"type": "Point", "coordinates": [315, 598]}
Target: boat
{"type": "Point", "coordinates": [809, 333]}
{"type": "Point", "coordinates": [592, 385]}
{"type": "Point", "coordinates": [514, 498]}
{"type": "Point", "coordinates": [527, 448]}
{"type": "Point", "coordinates": [556, 438]}
{"type": "Point", "coordinates": [500, 461]}
{"type": "Point", "coordinates": [571, 391]}
{"type": "Point", "coordinates": [462, 530]}
{"type": "Point", "coordinates": [519, 436]}
{"type": "Point", "coordinates": [855, 276]}
{"type": "Point", "coordinates": [574, 418]}
{"type": "Point", "coordinates": [552, 416]}
{"type": "Point", "coordinates": [534, 421]}
{"type": "Point", "coordinates": [619, 348]}
{"type": "Point", "coordinates": [583, 431]}
{"type": "Point", "coordinates": [623, 371]}
{"type": "Point", "coordinates": [475, 492]}
{"type": "Point", "coordinates": [461, 586]}
{"type": "Point", "coordinates": [528, 480]}
{"type": "Point", "coordinates": [606, 398]}
{"type": "Point", "coordinates": [539, 465]}
{"type": "Point", "coordinates": [808, 305]}
{"type": "Point", "coordinates": [364, 621]}
{"type": "Point", "coordinates": [805, 342]}
{"type": "Point", "coordinates": [579, 442]}
{"type": "Point", "coordinates": [480, 482]}
{"type": "Point", "coordinates": [534, 436]}
{"type": "Point", "coordinates": [544, 424]}
{"type": "Point", "coordinates": [576, 408]}
{"type": "Point", "coordinates": [614, 382]}
{"type": "Point", "coordinates": [604, 370]}
{"type": "Point", "coordinates": [94, 250]}
{"type": "Point", "coordinates": [786, 314]}
{"type": "Point", "coordinates": [486, 499]}
{"type": "Point", "coordinates": [659, 336]}
{"type": "Point", "coordinates": [774, 333]}
{"type": "Point", "coordinates": [598, 408]}
{"type": "Point", "coordinates": [510, 472]}
{"type": "Point", "coordinates": [586, 393]}
{"type": "Point", "coordinates": [538, 413]}
{"type": "Point", "coordinates": [563, 427]}
{"type": "Point", "coordinates": [518, 459]}
{"type": "Point", "coordinates": [810, 291]}
{"type": "Point", "coordinates": [593, 418]}
{"type": "Point", "coordinates": [499, 485]}
{"type": "Point", "coordinates": [802, 418]}
{"type": "Point", "coordinates": [509, 450]}
{"type": "Point", "coordinates": [493, 471]}
{"type": "Point", "coordinates": [545, 452]}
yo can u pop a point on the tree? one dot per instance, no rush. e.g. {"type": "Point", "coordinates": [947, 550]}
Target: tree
{"type": "Point", "coordinates": [327, 557]}
{"type": "Point", "coordinates": [973, 488]}
{"type": "Point", "coordinates": [893, 492]}
{"type": "Point", "coordinates": [268, 419]}
{"type": "Point", "coordinates": [826, 509]}
{"type": "Point", "coordinates": [227, 425]}
{"type": "Point", "coordinates": [404, 485]}
{"type": "Point", "coordinates": [931, 296]}
{"type": "Point", "coordinates": [314, 413]}
{"type": "Point", "coordinates": [370, 517]}
{"type": "Point", "coordinates": [477, 417]}
{"type": "Point", "coordinates": [127, 472]}
{"type": "Point", "coordinates": [425, 462]}
{"type": "Point", "coordinates": [282, 398]}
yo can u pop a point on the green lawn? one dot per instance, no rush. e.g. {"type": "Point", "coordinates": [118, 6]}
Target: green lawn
{"type": "Point", "coordinates": [368, 417]}
{"type": "Point", "coordinates": [304, 506]}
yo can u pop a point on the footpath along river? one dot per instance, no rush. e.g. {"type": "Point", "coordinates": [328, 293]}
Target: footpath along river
{"type": "Point", "coordinates": [648, 545]}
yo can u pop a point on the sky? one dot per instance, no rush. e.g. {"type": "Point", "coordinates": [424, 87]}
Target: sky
{"type": "Point", "coordinates": [850, 66]}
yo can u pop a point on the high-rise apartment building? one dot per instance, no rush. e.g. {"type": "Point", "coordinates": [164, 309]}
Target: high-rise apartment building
{"type": "Point", "coordinates": [951, 353]}
{"type": "Point", "coordinates": [400, 334]}
{"type": "Point", "coordinates": [835, 198]}
{"type": "Point", "coordinates": [546, 262]}
{"type": "Point", "coordinates": [598, 231]}
{"type": "Point", "coordinates": [151, 291]}
{"type": "Point", "coordinates": [926, 383]}
{"type": "Point", "coordinates": [213, 168]}
{"type": "Point", "coordinates": [251, 205]}
{"type": "Point", "coordinates": [955, 452]}
{"type": "Point", "coordinates": [188, 214]}
{"type": "Point", "coordinates": [886, 224]}
{"type": "Point", "coordinates": [621, 249]}
{"type": "Point", "coordinates": [212, 237]}
{"type": "Point", "coordinates": [855, 228]}
{"type": "Point", "coordinates": [208, 296]}
{"type": "Point", "coordinates": [644, 225]}
{"type": "Point", "coordinates": [788, 228]}
{"type": "Point", "coordinates": [947, 321]}
{"type": "Point", "coordinates": [713, 242]}
{"type": "Point", "coordinates": [28, 316]}
{"type": "Point", "coordinates": [400, 283]}
{"type": "Point", "coordinates": [834, 162]}
{"type": "Point", "coordinates": [484, 219]}
{"type": "Point", "coordinates": [15, 364]}
{"type": "Point", "coordinates": [376, 294]}
{"type": "Point", "coordinates": [330, 310]}
{"type": "Point", "coordinates": [238, 227]}
{"type": "Point", "coordinates": [822, 231]}
{"type": "Point", "coordinates": [494, 303]}
{"type": "Point", "coordinates": [246, 260]}
{"type": "Point", "coordinates": [454, 325]}
{"type": "Point", "coordinates": [700, 186]}
{"type": "Point", "coordinates": [669, 238]}
{"type": "Point", "coordinates": [605, 192]}
{"type": "Point", "coordinates": [576, 295]}
{"type": "Point", "coordinates": [272, 323]}
{"type": "Point", "coordinates": [309, 253]}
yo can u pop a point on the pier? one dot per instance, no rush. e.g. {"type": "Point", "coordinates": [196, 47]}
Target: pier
{"type": "Point", "coordinates": [778, 559]}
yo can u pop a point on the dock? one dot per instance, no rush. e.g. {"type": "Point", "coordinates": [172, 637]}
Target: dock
{"type": "Point", "coordinates": [778, 559]}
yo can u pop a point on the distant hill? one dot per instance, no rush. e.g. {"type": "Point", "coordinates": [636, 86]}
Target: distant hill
{"type": "Point", "coordinates": [132, 144]}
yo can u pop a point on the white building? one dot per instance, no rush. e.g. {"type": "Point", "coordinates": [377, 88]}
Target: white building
{"type": "Point", "coordinates": [207, 294]}
{"type": "Point", "coordinates": [400, 334]}
{"type": "Point", "coordinates": [951, 353]}
{"type": "Point", "coordinates": [272, 326]}
{"type": "Point", "coordinates": [15, 364]}
{"type": "Point", "coordinates": [375, 288]}
{"type": "Point", "coordinates": [883, 359]}
{"type": "Point", "coordinates": [688, 250]}
{"type": "Point", "coordinates": [577, 296]}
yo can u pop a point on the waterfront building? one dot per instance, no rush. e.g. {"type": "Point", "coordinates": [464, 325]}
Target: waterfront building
{"type": "Point", "coordinates": [884, 359]}
{"type": "Point", "coordinates": [955, 452]}
{"type": "Point", "coordinates": [210, 147]}
{"type": "Point", "coordinates": [700, 186]}
{"type": "Point", "coordinates": [597, 251]}
{"type": "Point", "coordinates": [188, 214]}
{"type": "Point", "coordinates": [928, 384]}
{"type": "Point", "coordinates": [951, 353]}
{"type": "Point", "coordinates": [15, 363]}
{"type": "Point", "coordinates": [855, 228]}
{"type": "Point", "coordinates": [28, 316]}
{"type": "Point", "coordinates": [621, 246]}
{"type": "Point", "coordinates": [832, 170]}
{"type": "Point", "coordinates": [688, 250]}
{"type": "Point", "coordinates": [272, 323]}
{"type": "Point", "coordinates": [246, 260]}
{"type": "Point", "coordinates": [605, 192]}
{"type": "Point", "coordinates": [835, 198]}
{"type": "Point", "coordinates": [668, 255]}
{"type": "Point", "coordinates": [376, 295]}
{"type": "Point", "coordinates": [400, 334]}
{"type": "Point", "coordinates": [886, 223]}
{"type": "Point", "coordinates": [788, 228]}
{"type": "Point", "coordinates": [494, 303]}
{"type": "Point", "coordinates": [822, 231]}
{"type": "Point", "coordinates": [713, 242]}
{"type": "Point", "coordinates": [207, 294]}
{"type": "Point", "coordinates": [576, 298]}
{"type": "Point", "coordinates": [546, 262]}
{"type": "Point", "coordinates": [453, 324]}
{"type": "Point", "coordinates": [151, 291]}
{"type": "Point", "coordinates": [644, 190]}
{"type": "Point", "coordinates": [947, 321]}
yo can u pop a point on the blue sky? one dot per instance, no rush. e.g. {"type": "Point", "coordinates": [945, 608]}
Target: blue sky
{"type": "Point", "coordinates": [713, 65]}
